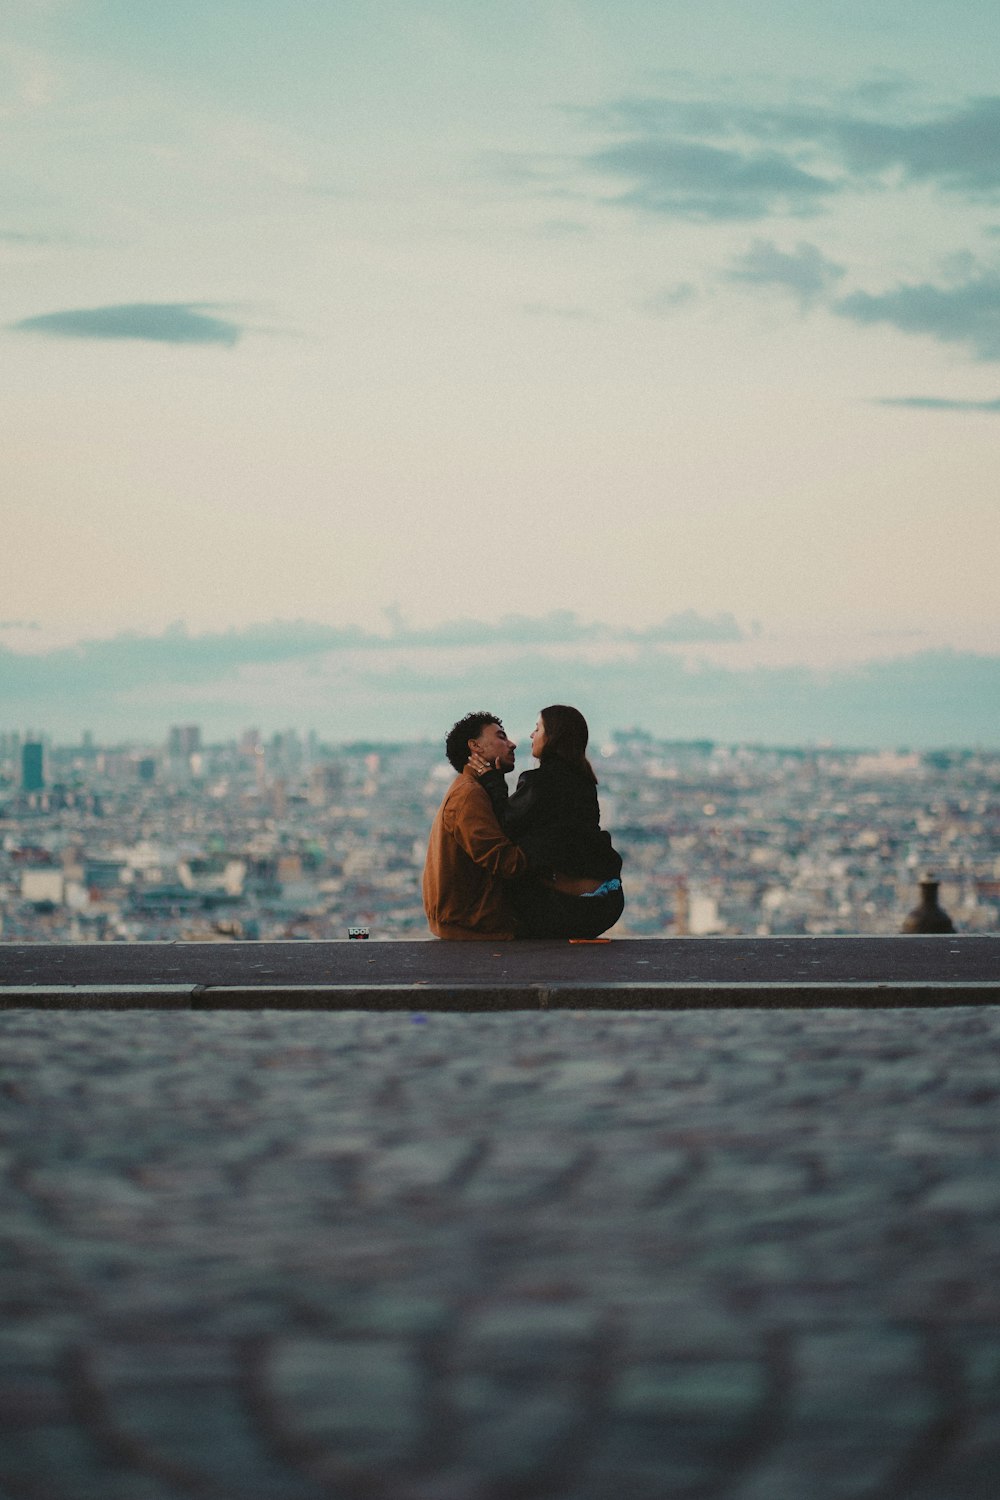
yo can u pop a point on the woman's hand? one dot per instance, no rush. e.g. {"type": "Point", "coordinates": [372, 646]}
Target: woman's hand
{"type": "Point", "coordinates": [481, 765]}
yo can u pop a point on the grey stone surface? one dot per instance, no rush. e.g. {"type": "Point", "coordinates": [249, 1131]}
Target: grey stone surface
{"type": "Point", "coordinates": [621, 973]}
{"type": "Point", "coordinates": [750, 1255]}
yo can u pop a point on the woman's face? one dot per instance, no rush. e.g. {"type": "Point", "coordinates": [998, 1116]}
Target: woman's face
{"type": "Point", "coordinates": [538, 738]}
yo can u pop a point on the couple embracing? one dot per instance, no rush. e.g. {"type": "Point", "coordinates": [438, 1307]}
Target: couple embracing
{"type": "Point", "coordinates": [531, 863]}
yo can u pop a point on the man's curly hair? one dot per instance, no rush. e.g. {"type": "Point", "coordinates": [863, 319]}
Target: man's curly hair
{"type": "Point", "coordinates": [456, 741]}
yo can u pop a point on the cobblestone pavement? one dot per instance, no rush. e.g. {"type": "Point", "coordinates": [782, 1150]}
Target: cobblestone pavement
{"type": "Point", "coordinates": [752, 1255]}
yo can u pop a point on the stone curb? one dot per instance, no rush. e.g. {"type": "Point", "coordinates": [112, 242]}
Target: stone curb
{"type": "Point", "coordinates": [97, 996]}
{"type": "Point", "coordinates": [685, 995]}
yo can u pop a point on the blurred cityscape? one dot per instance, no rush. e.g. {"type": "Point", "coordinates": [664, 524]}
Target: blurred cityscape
{"type": "Point", "coordinates": [288, 837]}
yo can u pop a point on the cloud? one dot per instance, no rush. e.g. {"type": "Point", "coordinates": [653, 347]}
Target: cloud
{"type": "Point", "coordinates": [28, 237]}
{"type": "Point", "coordinates": [668, 299]}
{"type": "Point", "coordinates": [712, 159]}
{"type": "Point", "coordinates": [691, 180]}
{"type": "Point", "coordinates": [689, 626]}
{"type": "Point", "coordinates": [564, 627]}
{"type": "Point", "coordinates": [959, 150]}
{"type": "Point", "coordinates": [885, 89]}
{"type": "Point", "coordinates": [968, 313]}
{"type": "Point", "coordinates": [806, 273]}
{"type": "Point", "coordinates": [129, 661]}
{"type": "Point", "coordinates": [939, 403]}
{"type": "Point", "coordinates": [349, 683]}
{"type": "Point", "coordinates": [157, 322]}
{"type": "Point", "coordinates": [929, 699]}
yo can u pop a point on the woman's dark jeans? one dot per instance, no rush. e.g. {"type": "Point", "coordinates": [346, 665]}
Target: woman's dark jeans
{"type": "Point", "coordinates": [543, 912]}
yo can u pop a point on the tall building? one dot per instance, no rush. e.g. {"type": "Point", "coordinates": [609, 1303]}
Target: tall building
{"type": "Point", "coordinates": [32, 766]}
{"type": "Point", "coordinates": [326, 780]}
{"type": "Point", "coordinates": [184, 739]}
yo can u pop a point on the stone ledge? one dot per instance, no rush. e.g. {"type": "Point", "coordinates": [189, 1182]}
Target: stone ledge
{"type": "Point", "coordinates": [96, 996]}
{"type": "Point", "coordinates": [423, 996]}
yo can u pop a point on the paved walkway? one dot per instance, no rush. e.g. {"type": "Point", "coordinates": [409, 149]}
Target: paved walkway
{"type": "Point", "coordinates": [752, 1255]}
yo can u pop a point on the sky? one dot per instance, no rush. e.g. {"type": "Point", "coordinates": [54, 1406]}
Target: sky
{"type": "Point", "coordinates": [440, 323]}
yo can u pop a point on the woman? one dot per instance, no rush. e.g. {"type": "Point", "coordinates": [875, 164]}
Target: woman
{"type": "Point", "coordinates": [554, 816]}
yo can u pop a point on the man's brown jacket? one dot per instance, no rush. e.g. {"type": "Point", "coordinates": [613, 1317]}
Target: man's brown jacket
{"type": "Point", "coordinates": [468, 859]}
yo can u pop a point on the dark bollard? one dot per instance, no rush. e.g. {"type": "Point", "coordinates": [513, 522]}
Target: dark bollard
{"type": "Point", "coordinates": [928, 916]}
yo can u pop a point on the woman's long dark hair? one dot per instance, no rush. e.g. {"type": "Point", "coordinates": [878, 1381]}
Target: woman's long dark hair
{"type": "Point", "coordinates": [566, 735]}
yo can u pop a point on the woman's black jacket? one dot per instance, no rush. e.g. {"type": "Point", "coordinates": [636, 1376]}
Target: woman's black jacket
{"type": "Point", "coordinates": [553, 815]}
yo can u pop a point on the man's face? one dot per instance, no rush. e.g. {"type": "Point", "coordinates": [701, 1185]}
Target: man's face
{"type": "Point", "coordinates": [494, 745]}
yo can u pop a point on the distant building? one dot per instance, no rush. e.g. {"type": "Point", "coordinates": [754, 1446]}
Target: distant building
{"type": "Point", "coordinates": [326, 781]}
{"type": "Point", "coordinates": [703, 915]}
{"type": "Point", "coordinates": [103, 875]}
{"type": "Point", "coordinates": [184, 740]}
{"type": "Point", "coordinates": [32, 766]}
{"type": "Point", "coordinates": [43, 887]}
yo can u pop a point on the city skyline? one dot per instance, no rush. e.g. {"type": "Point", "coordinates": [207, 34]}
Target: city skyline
{"type": "Point", "coordinates": [394, 319]}
{"type": "Point", "coordinates": [288, 837]}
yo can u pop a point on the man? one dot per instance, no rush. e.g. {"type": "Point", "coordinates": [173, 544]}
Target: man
{"type": "Point", "coordinates": [469, 857]}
